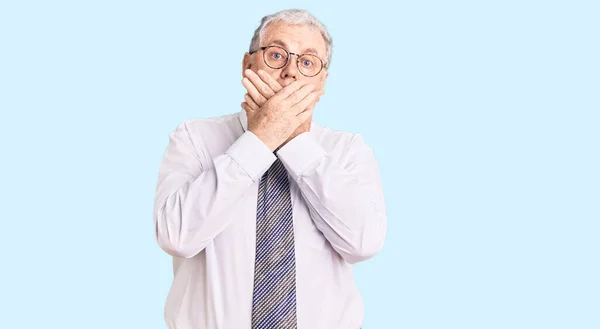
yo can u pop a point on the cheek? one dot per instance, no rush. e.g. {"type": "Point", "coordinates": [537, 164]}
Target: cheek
{"type": "Point", "coordinates": [273, 73]}
{"type": "Point", "coordinates": [317, 82]}
{"type": "Point", "coordinates": [259, 64]}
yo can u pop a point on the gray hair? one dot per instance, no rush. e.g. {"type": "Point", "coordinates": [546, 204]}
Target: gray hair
{"type": "Point", "coordinates": [293, 17]}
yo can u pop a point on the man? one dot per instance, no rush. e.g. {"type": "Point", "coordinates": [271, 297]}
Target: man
{"type": "Point", "coordinates": [265, 211]}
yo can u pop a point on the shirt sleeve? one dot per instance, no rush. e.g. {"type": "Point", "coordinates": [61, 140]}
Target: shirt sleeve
{"type": "Point", "coordinates": [345, 198]}
{"type": "Point", "coordinates": [193, 201]}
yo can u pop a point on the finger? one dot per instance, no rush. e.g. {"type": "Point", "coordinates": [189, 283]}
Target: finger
{"type": "Point", "coordinates": [272, 83]}
{"type": "Point", "coordinates": [251, 102]}
{"type": "Point", "coordinates": [253, 92]}
{"type": "Point", "coordinates": [300, 94]}
{"type": "Point", "coordinates": [303, 116]}
{"type": "Point", "coordinates": [289, 89]}
{"type": "Point", "coordinates": [319, 97]}
{"type": "Point", "coordinates": [246, 107]}
{"type": "Point", "coordinates": [307, 101]}
{"type": "Point", "coordinates": [264, 89]}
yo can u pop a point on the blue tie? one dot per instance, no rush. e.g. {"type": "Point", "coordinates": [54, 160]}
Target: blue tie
{"type": "Point", "coordinates": [274, 298]}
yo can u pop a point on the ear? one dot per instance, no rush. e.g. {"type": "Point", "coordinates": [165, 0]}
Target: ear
{"type": "Point", "coordinates": [246, 62]}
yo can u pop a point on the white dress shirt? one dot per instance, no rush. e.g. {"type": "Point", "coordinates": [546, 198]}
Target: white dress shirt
{"type": "Point", "coordinates": [205, 217]}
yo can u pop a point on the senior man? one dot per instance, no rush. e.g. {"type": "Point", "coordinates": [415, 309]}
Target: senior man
{"type": "Point", "coordinates": [264, 211]}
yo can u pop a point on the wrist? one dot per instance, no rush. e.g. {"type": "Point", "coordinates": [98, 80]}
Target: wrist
{"type": "Point", "coordinates": [272, 145]}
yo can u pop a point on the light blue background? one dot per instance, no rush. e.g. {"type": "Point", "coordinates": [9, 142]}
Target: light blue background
{"type": "Point", "coordinates": [484, 117]}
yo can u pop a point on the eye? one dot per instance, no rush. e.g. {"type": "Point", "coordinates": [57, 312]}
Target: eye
{"type": "Point", "coordinates": [277, 56]}
{"type": "Point", "coordinates": [307, 63]}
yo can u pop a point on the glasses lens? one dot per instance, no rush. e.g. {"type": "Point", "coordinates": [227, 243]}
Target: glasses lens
{"type": "Point", "coordinates": [275, 57]}
{"type": "Point", "coordinates": [309, 65]}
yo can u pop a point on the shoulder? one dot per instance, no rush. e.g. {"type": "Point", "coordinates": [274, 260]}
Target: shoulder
{"type": "Point", "coordinates": [338, 141]}
{"type": "Point", "coordinates": [211, 132]}
{"type": "Point", "coordinates": [211, 126]}
{"type": "Point", "coordinates": [210, 135]}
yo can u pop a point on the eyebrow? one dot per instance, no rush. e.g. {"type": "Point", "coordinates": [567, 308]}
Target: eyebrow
{"type": "Point", "coordinates": [306, 51]}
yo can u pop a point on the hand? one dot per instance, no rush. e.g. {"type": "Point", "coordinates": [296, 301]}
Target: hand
{"type": "Point", "coordinates": [262, 87]}
{"type": "Point", "coordinates": [282, 113]}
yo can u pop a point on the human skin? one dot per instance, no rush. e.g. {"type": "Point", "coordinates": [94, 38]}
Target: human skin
{"type": "Point", "coordinates": [279, 102]}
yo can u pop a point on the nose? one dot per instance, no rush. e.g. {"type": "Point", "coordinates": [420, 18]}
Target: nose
{"type": "Point", "coordinates": [290, 70]}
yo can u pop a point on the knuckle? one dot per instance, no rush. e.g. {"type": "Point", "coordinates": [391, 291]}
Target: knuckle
{"type": "Point", "coordinates": [289, 101]}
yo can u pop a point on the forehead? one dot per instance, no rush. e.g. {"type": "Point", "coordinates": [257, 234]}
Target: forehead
{"type": "Point", "coordinates": [297, 38]}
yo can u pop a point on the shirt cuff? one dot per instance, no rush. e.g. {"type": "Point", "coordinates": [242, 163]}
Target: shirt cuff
{"type": "Point", "coordinates": [253, 156]}
{"type": "Point", "coordinates": [301, 154]}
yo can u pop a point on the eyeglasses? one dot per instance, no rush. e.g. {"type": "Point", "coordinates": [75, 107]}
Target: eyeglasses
{"type": "Point", "coordinates": [276, 57]}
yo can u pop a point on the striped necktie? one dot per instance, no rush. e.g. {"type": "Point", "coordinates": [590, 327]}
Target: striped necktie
{"type": "Point", "coordinates": [274, 298]}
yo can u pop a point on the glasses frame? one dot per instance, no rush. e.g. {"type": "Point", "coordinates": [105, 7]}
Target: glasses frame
{"type": "Point", "coordinates": [287, 60]}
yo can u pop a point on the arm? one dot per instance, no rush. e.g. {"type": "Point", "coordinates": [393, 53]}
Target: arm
{"type": "Point", "coordinates": [192, 203]}
{"type": "Point", "coordinates": [345, 199]}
